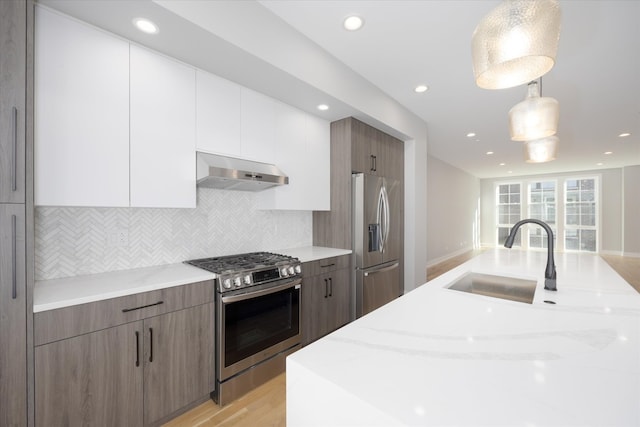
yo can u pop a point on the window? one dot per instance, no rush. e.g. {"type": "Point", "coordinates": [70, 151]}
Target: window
{"type": "Point", "coordinates": [508, 196]}
{"type": "Point", "coordinates": [568, 205]}
{"type": "Point", "coordinates": [542, 206]}
{"type": "Point", "coordinates": [580, 215]}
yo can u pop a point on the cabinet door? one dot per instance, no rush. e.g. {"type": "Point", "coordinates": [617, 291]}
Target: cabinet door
{"type": "Point", "coordinates": [218, 115]}
{"type": "Point", "coordinates": [303, 154]}
{"type": "Point", "coordinates": [339, 307]}
{"type": "Point", "coordinates": [93, 379]}
{"type": "Point", "coordinates": [13, 46]}
{"type": "Point", "coordinates": [13, 328]}
{"type": "Point", "coordinates": [314, 295]}
{"type": "Point", "coordinates": [81, 114]}
{"type": "Point", "coordinates": [162, 152]}
{"type": "Point", "coordinates": [363, 147]}
{"type": "Point", "coordinates": [178, 364]}
{"type": "Point", "coordinates": [258, 127]}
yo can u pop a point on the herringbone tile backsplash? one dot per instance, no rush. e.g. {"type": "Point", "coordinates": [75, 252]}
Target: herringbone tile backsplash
{"type": "Point", "coordinates": [76, 241]}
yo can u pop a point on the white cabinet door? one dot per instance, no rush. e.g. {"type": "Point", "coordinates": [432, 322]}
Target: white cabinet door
{"type": "Point", "coordinates": [302, 151]}
{"type": "Point", "coordinates": [258, 126]}
{"type": "Point", "coordinates": [81, 114]}
{"type": "Point", "coordinates": [162, 152]}
{"type": "Point", "coordinates": [218, 115]}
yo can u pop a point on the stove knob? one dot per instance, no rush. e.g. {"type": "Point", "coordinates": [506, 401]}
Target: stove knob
{"type": "Point", "coordinates": [284, 272]}
{"type": "Point", "coordinates": [298, 269]}
{"type": "Point", "coordinates": [247, 279]}
{"type": "Point", "coordinates": [291, 271]}
{"type": "Point", "coordinates": [237, 282]}
{"type": "Point", "coordinates": [227, 283]}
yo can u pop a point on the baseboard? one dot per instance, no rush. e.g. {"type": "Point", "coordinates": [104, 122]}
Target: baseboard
{"type": "Point", "coordinates": [631, 254]}
{"type": "Point", "coordinates": [614, 253]}
{"type": "Point", "coordinates": [448, 256]}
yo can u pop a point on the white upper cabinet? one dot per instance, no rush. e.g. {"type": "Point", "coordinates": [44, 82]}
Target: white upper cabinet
{"type": "Point", "coordinates": [258, 113]}
{"type": "Point", "coordinates": [303, 154]}
{"type": "Point", "coordinates": [218, 115]}
{"type": "Point", "coordinates": [162, 131]}
{"type": "Point", "coordinates": [81, 114]}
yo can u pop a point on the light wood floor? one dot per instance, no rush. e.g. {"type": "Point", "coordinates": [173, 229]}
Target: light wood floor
{"type": "Point", "coordinates": [263, 407]}
{"type": "Point", "coordinates": [266, 405]}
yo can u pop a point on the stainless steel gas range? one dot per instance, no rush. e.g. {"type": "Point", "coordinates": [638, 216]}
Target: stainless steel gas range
{"type": "Point", "coordinates": [257, 318]}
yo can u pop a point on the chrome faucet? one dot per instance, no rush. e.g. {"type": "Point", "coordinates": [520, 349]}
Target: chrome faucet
{"type": "Point", "coordinates": [550, 270]}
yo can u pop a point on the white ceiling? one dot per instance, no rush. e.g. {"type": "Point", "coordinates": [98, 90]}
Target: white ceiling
{"type": "Point", "coordinates": [404, 43]}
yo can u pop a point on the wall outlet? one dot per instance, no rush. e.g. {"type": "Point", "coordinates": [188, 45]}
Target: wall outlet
{"type": "Point", "coordinates": [118, 238]}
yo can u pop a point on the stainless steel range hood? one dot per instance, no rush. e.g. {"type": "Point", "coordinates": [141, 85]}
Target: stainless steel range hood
{"type": "Point", "coordinates": [214, 171]}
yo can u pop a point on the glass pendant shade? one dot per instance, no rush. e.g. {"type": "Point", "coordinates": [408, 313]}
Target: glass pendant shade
{"type": "Point", "coordinates": [515, 43]}
{"type": "Point", "coordinates": [541, 150]}
{"type": "Point", "coordinates": [534, 118]}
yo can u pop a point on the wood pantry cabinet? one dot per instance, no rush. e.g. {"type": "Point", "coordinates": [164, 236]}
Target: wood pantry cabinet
{"type": "Point", "coordinates": [145, 358]}
{"type": "Point", "coordinates": [375, 152]}
{"type": "Point", "coordinates": [326, 297]}
{"type": "Point", "coordinates": [16, 49]}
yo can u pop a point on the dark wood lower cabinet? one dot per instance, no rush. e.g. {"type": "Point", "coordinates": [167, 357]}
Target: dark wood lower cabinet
{"type": "Point", "coordinates": [93, 379]}
{"type": "Point", "coordinates": [177, 366]}
{"type": "Point", "coordinates": [326, 302]}
{"type": "Point", "coordinates": [135, 374]}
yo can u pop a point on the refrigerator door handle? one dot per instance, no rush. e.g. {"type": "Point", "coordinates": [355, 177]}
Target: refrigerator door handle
{"type": "Point", "coordinates": [381, 270]}
{"type": "Point", "coordinates": [380, 219]}
{"type": "Point", "coordinates": [387, 213]}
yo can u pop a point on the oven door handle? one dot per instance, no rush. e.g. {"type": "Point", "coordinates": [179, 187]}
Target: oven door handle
{"type": "Point", "coordinates": [235, 298]}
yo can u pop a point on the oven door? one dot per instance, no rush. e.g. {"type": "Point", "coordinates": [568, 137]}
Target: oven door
{"type": "Point", "coordinates": [256, 325]}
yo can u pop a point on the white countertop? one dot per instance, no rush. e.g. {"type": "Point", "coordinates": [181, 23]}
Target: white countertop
{"type": "Point", "coordinates": [68, 291]}
{"type": "Point", "coordinates": [441, 357]}
{"type": "Point", "coordinates": [312, 253]}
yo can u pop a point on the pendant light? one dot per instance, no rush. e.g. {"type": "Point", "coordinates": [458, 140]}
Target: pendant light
{"type": "Point", "coordinates": [515, 43]}
{"type": "Point", "coordinates": [541, 150]}
{"type": "Point", "coordinates": [535, 117]}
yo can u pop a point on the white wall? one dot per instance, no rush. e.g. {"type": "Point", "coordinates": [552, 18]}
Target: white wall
{"type": "Point", "coordinates": [611, 205]}
{"type": "Point", "coordinates": [453, 211]}
{"type": "Point", "coordinates": [631, 212]}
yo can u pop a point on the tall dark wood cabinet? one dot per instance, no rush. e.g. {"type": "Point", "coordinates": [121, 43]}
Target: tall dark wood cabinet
{"type": "Point", "coordinates": [16, 208]}
{"type": "Point", "coordinates": [356, 147]}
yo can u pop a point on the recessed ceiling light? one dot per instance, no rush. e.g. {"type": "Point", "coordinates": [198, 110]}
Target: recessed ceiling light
{"type": "Point", "coordinates": [510, 172]}
{"type": "Point", "coordinates": [421, 88]}
{"type": "Point", "coordinates": [624, 135]}
{"type": "Point", "coordinates": [502, 164]}
{"type": "Point", "coordinates": [146, 26]}
{"type": "Point", "coordinates": [323, 107]}
{"type": "Point", "coordinates": [608, 152]}
{"type": "Point", "coordinates": [599, 164]}
{"type": "Point", "coordinates": [471, 135]}
{"type": "Point", "coordinates": [353, 23]}
{"type": "Point", "coordinates": [489, 153]}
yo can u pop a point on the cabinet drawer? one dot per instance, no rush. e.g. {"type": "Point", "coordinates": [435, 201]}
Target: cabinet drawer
{"type": "Point", "coordinates": [80, 319]}
{"type": "Point", "coordinates": [326, 265]}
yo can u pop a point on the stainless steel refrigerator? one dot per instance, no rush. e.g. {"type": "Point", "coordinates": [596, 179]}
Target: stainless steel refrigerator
{"type": "Point", "coordinates": [376, 234]}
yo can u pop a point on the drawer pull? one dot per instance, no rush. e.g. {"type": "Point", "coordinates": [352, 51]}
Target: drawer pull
{"type": "Point", "coordinates": [328, 265]}
{"type": "Point", "coordinates": [126, 310]}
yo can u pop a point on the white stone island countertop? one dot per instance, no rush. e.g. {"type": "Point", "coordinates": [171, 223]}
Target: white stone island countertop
{"type": "Point", "coordinates": [440, 357]}
{"type": "Point", "coordinates": [68, 291]}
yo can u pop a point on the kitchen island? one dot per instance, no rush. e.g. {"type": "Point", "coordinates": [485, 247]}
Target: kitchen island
{"type": "Point", "coordinates": [438, 356]}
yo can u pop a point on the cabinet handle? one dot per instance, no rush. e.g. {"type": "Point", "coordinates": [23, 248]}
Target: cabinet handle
{"type": "Point", "coordinates": [326, 288]}
{"type": "Point", "coordinates": [371, 163]}
{"type": "Point", "coordinates": [126, 310]}
{"type": "Point", "coordinates": [137, 348]}
{"type": "Point", "coordinates": [14, 148]}
{"type": "Point", "coordinates": [328, 265]}
{"type": "Point", "coordinates": [14, 253]}
{"type": "Point", "coordinates": [375, 163]}
{"type": "Point", "coordinates": [330, 286]}
{"type": "Point", "coordinates": [150, 344]}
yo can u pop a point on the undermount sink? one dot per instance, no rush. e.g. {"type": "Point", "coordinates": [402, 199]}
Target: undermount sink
{"type": "Point", "coordinates": [509, 288]}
